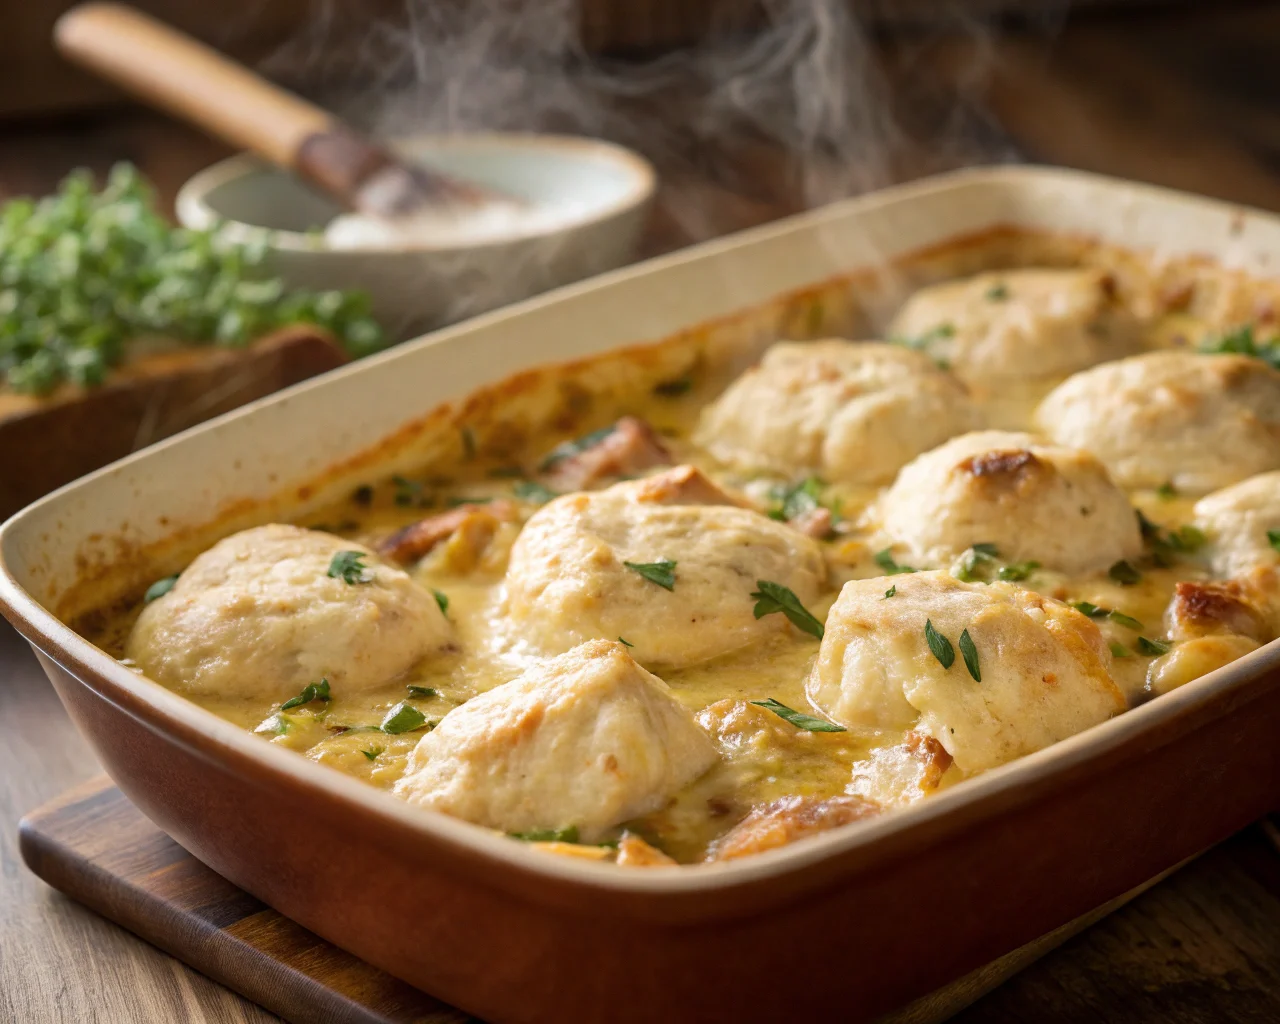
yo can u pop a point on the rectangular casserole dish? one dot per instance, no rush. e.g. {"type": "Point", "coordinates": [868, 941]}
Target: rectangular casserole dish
{"type": "Point", "coordinates": [849, 924]}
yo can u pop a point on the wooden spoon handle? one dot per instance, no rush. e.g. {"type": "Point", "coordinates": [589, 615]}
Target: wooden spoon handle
{"type": "Point", "coordinates": [178, 74]}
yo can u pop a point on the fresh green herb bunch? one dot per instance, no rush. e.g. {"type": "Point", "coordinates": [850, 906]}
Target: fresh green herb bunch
{"type": "Point", "coordinates": [83, 272]}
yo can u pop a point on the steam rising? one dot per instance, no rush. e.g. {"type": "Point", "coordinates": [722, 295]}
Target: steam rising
{"type": "Point", "coordinates": [805, 105]}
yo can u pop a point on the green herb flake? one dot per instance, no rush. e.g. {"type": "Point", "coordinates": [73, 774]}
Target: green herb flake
{"type": "Point", "coordinates": [1273, 538]}
{"type": "Point", "coordinates": [1015, 572]}
{"type": "Point", "coordinates": [1187, 539]}
{"type": "Point", "coordinates": [662, 573]}
{"type": "Point", "coordinates": [372, 754]}
{"type": "Point", "coordinates": [1120, 651]}
{"type": "Point", "coordinates": [998, 292]}
{"type": "Point", "coordinates": [312, 691]}
{"type": "Point", "coordinates": [1166, 491]}
{"type": "Point", "coordinates": [349, 567]}
{"type": "Point", "coordinates": [939, 645]}
{"type": "Point", "coordinates": [795, 500]}
{"type": "Point", "coordinates": [921, 342]}
{"type": "Point", "coordinates": [1124, 574]}
{"type": "Point", "coordinates": [425, 692]}
{"type": "Point", "coordinates": [548, 835]}
{"type": "Point", "coordinates": [884, 559]}
{"type": "Point", "coordinates": [1242, 341]}
{"type": "Point", "coordinates": [673, 388]}
{"type": "Point", "coordinates": [625, 642]}
{"type": "Point", "coordinates": [534, 493]}
{"type": "Point", "coordinates": [891, 592]}
{"type": "Point", "coordinates": [1153, 648]}
{"type": "Point", "coordinates": [1090, 609]}
{"type": "Point", "coordinates": [442, 600]}
{"type": "Point", "coordinates": [1121, 619]}
{"type": "Point", "coordinates": [773, 597]}
{"type": "Point", "coordinates": [969, 652]}
{"type": "Point", "coordinates": [408, 492]}
{"type": "Point", "coordinates": [468, 443]}
{"type": "Point", "coordinates": [159, 588]}
{"type": "Point", "coordinates": [403, 717]}
{"type": "Point", "coordinates": [563, 451]}
{"type": "Point", "coordinates": [797, 718]}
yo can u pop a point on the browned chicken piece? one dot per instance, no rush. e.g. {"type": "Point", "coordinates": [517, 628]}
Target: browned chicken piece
{"type": "Point", "coordinates": [631, 446]}
{"type": "Point", "coordinates": [902, 773]}
{"type": "Point", "coordinates": [1225, 606]}
{"type": "Point", "coordinates": [475, 523]}
{"type": "Point", "coordinates": [684, 485]}
{"type": "Point", "coordinates": [784, 821]}
{"type": "Point", "coordinates": [817, 523]}
{"type": "Point", "coordinates": [634, 852]}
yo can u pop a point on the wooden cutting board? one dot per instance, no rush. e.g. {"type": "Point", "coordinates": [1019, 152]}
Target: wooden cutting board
{"type": "Point", "coordinates": [94, 845]}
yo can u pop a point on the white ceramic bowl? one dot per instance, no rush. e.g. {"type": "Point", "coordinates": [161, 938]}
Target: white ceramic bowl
{"type": "Point", "coordinates": [416, 289]}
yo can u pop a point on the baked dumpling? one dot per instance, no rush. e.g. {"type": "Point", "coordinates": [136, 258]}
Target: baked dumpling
{"type": "Point", "coordinates": [1238, 521]}
{"type": "Point", "coordinates": [1019, 323]}
{"type": "Point", "coordinates": [1044, 667]}
{"type": "Point", "coordinates": [568, 581]}
{"type": "Point", "coordinates": [852, 412]}
{"type": "Point", "coordinates": [1198, 422]}
{"type": "Point", "coordinates": [586, 740]}
{"type": "Point", "coordinates": [1033, 500]}
{"type": "Point", "coordinates": [258, 616]}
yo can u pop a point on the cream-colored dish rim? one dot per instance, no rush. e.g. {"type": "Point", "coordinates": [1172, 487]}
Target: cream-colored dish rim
{"type": "Point", "coordinates": [38, 623]}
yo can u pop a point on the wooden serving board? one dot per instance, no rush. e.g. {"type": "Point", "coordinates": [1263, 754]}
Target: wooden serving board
{"type": "Point", "coordinates": [94, 845]}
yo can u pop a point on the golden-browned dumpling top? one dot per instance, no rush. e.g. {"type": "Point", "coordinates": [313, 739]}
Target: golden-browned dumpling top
{"type": "Point", "coordinates": [1044, 667]}
{"type": "Point", "coordinates": [850, 411]}
{"type": "Point", "coordinates": [1034, 501]}
{"type": "Point", "coordinates": [1019, 323]}
{"type": "Point", "coordinates": [1196, 421]}
{"type": "Point", "coordinates": [1239, 522]}
{"type": "Point", "coordinates": [258, 616]}
{"type": "Point", "coordinates": [586, 740]}
{"type": "Point", "coordinates": [568, 579]}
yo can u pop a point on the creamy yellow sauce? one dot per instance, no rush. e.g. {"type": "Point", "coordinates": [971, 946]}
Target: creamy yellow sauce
{"type": "Point", "coordinates": [343, 732]}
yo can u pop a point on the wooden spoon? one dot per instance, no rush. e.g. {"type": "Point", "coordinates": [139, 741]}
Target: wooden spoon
{"type": "Point", "coordinates": [172, 71]}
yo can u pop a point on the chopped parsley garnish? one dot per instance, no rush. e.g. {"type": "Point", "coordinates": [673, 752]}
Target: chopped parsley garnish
{"type": "Point", "coordinates": [424, 692]}
{"type": "Point", "coordinates": [662, 573]}
{"type": "Point", "coordinates": [1152, 648]}
{"type": "Point", "coordinates": [1121, 619]}
{"type": "Point", "coordinates": [372, 754]}
{"type": "Point", "coordinates": [997, 293]}
{"type": "Point", "coordinates": [797, 718]}
{"type": "Point", "coordinates": [1120, 651]}
{"type": "Point", "coordinates": [1273, 538]}
{"type": "Point", "coordinates": [83, 273]}
{"type": "Point", "coordinates": [795, 500]}
{"type": "Point", "coordinates": [468, 443]}
{"type": "Point", "coordinates": [972, 560]}
{"type": "Point", "coordinates": [312, 691]}
{"type": "Point", "coordinates": [548, 835]}
{"type": "Point", "coordinates": [1166, 491]}
{"type": "Point", "coordinates": [442, 600]}
{"type": "Point", "coordinates": [625, 642]}
{"type": "Point", "coordinates": [921, 342]}
{"type": "Point", "coordinates": [1017, 571]}
{"type": "Point", "coordinates": [403, 718]}
{"type": "Point", "coordinates": [884, 559]}
{"type": "Point", "coordinates": [457, 500]}
{"type": "Point", "coordinates": [1090, 609]}
{"type": "Point", "coordinates": [1242, 341]}
{"type": "Point", "coordinates": [349, 567]}
{"type": "Point", "coordinates": [159, 588]}
{"type": "Point", "coordinates": [891, 592]}
{"type": "Point", "coordinates": [939, 645]}
{"type": "Point", "coordinates": [774, 597]}
{"type": "Point", "coordinates": [969, 652]}
{"type": "Point", "coordinates": [408, 492]}
{"type": "Point", "coordinates": [673, 388]}
{"type": "Point", "coordinates": [529, 490]}
{"type": "Point", "coordinates": [563, 451]}
{"type": "Point", "coordinates": [1124, 574]}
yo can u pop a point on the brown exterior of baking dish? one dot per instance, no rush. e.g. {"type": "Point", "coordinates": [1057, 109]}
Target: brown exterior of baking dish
{"type": "Point", "coordinates": [843, 926]}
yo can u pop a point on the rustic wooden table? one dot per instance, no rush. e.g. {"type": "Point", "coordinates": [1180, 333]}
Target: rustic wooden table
{"type": "Point", "coordinates": [1185, 99]}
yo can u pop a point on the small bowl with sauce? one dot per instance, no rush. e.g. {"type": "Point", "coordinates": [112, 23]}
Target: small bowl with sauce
{"type": "Point", "coordinates": [579, 207]}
